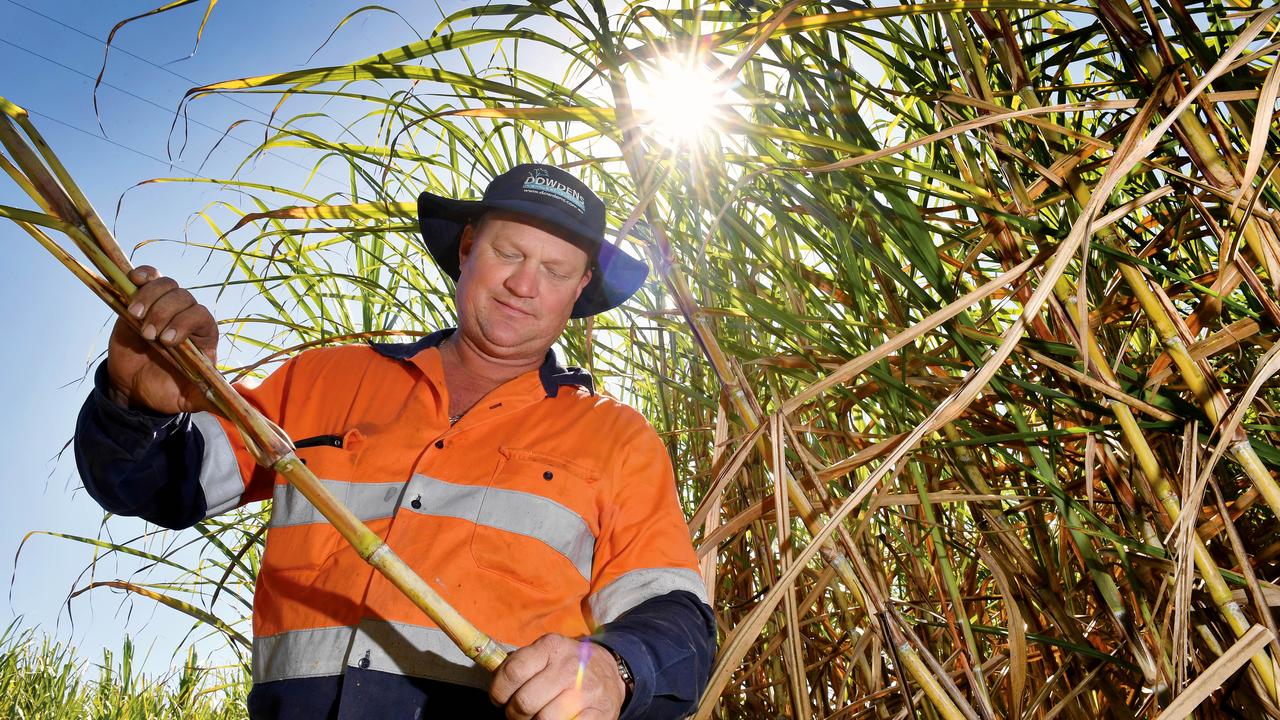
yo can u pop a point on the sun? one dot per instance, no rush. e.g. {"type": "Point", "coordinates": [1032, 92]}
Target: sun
{"type": "Point", "coordinates": [678, 99]}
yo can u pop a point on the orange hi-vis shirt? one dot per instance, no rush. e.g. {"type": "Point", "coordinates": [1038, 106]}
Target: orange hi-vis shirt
{"type": "Point", "coordinates": [545, 509]}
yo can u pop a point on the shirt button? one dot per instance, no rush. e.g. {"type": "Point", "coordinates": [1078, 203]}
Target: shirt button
{"type": "Point", "coordinates": [546, 475]}
{"type": "Point", "coordinates": [417, 503]}
{"type": "Point", "coordinates": [364, 663]}
{"type": "Point", "coordinates": [439, 444]}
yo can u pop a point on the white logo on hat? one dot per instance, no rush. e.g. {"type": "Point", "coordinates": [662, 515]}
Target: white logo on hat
{"type": "Point", "coordinates": [543, 184]}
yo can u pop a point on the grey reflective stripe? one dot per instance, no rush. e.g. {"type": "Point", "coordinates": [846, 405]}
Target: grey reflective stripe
{"type": "Point", "coordinates": [369, 501]}
{"type": "Point", "coordinates": [219, 472]}
{"type": "Point", "coordinates": [513, 511]}
{"type": "Point", "coordinates": [414, 650]}
{"type": "Point", "coordinates": [633, 588]}
{"type": "Point", "coordinates": [301, 653]}
{"type": "Point", "coordinates": [399, 648]}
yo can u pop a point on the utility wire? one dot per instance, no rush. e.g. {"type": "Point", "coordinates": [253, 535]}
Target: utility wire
{"type": "Point", "coordinates": [157, 105]}
{"type": "Point", "coordinates": [118, 144]}
{"type": "Point", "coordinates": [117, 48]}
{"type": "Point", "coordinates": [148, 101]}
{"type": "Point", "coordinates": [117, 88]}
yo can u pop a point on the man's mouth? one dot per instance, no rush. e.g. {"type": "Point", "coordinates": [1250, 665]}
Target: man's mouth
{"type": "Point", "coordinates": [512, 308]}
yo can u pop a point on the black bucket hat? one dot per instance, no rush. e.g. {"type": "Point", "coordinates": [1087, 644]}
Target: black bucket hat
{"type": "Point", "coordinates": [554, 196]}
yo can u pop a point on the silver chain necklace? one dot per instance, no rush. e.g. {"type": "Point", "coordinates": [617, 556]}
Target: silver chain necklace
{"type": "Point", "coordinates": [453, 419]}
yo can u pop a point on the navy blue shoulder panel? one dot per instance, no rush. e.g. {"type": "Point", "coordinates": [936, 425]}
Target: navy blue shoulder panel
{"type": "Point", "coordinates": [405, 351]}
{"type": "Point", "coordinates": [553, 376]}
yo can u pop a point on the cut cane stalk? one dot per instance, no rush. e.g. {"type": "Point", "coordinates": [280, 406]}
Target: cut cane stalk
{"type": "Point", "coordinates": [40, 174]}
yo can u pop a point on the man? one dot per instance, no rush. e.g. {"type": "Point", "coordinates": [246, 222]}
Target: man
{"type": "Point", "coordinates": [544, 512]}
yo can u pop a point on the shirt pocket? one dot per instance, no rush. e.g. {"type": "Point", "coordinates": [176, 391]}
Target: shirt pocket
{"type": "Point", "coordinates": [332, 457]}
{"type": "Point", "coordinates": [534, 526]}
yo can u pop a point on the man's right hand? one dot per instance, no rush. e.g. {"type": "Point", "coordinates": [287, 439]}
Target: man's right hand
{"type": "Point", "coordinates": [140, 375]}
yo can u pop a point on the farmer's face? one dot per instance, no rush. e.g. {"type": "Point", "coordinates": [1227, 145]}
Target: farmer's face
{"type": "Point", "coordinates": [517, 285]}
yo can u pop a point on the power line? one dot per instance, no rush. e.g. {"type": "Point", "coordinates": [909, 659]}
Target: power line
{"type": "Point", "coordinates": [148, 101]}
{"type": "Point", "coordinates": [117, 88]}
{"type": "Point", "coordinates": [156, 105]}
{"type": "Point", "coordinates": [120, 145]}
{"type": "Point", "coordinates": [117, 48]}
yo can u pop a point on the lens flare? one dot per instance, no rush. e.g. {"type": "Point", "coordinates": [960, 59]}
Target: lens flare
{"type": "Point", "coordinates": [584, 654]}
{"type": "Point", "coordinates": [678, 100]}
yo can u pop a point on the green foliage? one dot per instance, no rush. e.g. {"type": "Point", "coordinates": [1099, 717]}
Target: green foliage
{"type": "Point", "coordinates": [41, 679]}
{"type": "Point", "coordinates": [1025, 522]}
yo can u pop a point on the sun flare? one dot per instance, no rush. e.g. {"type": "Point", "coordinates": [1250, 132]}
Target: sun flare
{"type": "Point", "coordinates": [677, 100]}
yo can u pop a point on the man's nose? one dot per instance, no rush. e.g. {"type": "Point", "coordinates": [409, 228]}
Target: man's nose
{"type": "Point", "coordinates": [523, 280]}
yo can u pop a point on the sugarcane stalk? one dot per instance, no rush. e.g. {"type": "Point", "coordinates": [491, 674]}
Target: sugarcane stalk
{"type": "Point", "coordinates": [71, 213]}
{"type": "Point", "coordinates": [748, 409]}
{"type": "Point", "coordinates": [974, 71]}
{"type": "Point", "coordinates": [1219, 592]}
{"type": "Point", "coordinates": [1211, 399]}
{"type": "Point", "coordinates": [88, 215]}
{"type": "Point", "coordinates": [22, 182]}
{"type": "Point", "coordinates": [48, 193]}
{"type": "Point", "coordinates": [961, 615]}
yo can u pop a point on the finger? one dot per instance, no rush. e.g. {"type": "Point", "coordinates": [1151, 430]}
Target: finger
{"type": "Point", "coordinates": [192, 322]}
{"type": "Point", "coordinates": [147, 294]}
{"type": "Point", "coordinates": [515, 671]}
{"type": "Point", "coordinates": [143, 274]}
{"type": "Point", "coordinates": [156, 323]}
{"type": "Point", "coordinates": [535, 694]}
{"type": "Point", "coordinates": [571, 704]}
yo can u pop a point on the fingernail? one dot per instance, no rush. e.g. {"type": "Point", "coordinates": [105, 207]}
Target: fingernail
{"type": "Point", "coordinates": [136, 310]}
{"type": "Point", "coordinates": [149, 332]}
{"type": "Point", "coordinates": [168, 335]}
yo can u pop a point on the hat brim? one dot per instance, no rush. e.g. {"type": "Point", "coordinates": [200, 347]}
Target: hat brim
{"type": "Point", "coordinates": [615, 275]}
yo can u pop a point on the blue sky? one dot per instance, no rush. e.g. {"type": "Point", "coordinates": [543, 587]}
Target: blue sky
{"type": "Point", "coordinates": [56, 329]}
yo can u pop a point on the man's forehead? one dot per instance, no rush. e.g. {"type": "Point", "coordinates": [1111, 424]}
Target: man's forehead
{"type": "Point", "coordinates": [510, 225]}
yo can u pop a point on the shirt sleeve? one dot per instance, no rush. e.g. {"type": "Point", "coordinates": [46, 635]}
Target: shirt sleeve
{"type": "Point", "coordinates": [669, 644]}
{"type": "Point", "coordinates": [171, 470]}
{"type": "Point", "coordinates": [648, 598]}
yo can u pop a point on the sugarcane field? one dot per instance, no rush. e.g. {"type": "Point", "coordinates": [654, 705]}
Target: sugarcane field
{"type": "Point", "coordinates": [850, 360]}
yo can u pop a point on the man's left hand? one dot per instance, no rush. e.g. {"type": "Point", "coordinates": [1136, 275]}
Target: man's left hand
{"type": "Point", "coordinates": [542, 681]}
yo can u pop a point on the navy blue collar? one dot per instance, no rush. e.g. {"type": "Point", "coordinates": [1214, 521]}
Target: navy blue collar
{"type": "Point", "coordinates": [551, 373]}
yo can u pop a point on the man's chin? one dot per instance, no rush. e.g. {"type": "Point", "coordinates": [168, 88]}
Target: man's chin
{"type": "Point", "coordinates": [507, 339]}
{"type": "Point", "coordinates": [510, 336]}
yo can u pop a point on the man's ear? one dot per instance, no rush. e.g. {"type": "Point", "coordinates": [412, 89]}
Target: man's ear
{"type": "Point", "coordinates": [582, 284]}
{"type": "Point", "coordinates": [465, 242]}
